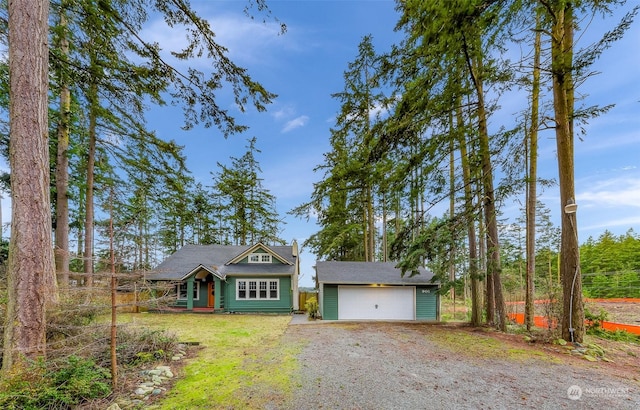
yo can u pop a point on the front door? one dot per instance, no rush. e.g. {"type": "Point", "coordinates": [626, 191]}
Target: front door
{"type": "Point", "coordinates": [211, 294]}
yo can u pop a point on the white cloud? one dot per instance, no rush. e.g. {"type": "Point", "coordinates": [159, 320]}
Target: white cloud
{"type": "Point", "coordinates": [297, 122]}
{"type": "Point", "coordinates": [378, 111]}
{"type": "Point", "coordinates": [247, 41]}
{"type": "Point", "coordinates": [614, 192]}
{"type": "Point", "coordinates": [609, 224]}
{"type": "Point", "coordinates": [284, 112]}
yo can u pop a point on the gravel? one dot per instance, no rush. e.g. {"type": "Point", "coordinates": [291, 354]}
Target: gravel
{"type": "Point", "coordinates": [398, 365]}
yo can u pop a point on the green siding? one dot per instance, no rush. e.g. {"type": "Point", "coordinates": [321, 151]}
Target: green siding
{"type": "Point", "coordinates": [283, 305]}
{"type": "Point", "coordinates": [202, 302]}
{"type": "Point", "coordinates": [330, 302]}
{"type": "Point", "coordinates": [427, 303]}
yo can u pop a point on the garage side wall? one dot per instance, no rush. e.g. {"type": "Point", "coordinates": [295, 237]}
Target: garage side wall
{"type": "Point", "coordinates": [427, 303]}
{"type": "Point", "coordinates": [330, 302]}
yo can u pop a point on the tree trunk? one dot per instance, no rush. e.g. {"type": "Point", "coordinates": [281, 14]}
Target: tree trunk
{"type": "Point", "coordinates": [452, 212]}
{"type": "Point", "coordinates": [494, 266]}
{"type": "Point", "coordinates": [365, 228]}
{"type": "Point", "coordinates": [476, 294]}
{"type": "Point", "coordinates": [561, 63]}
{"type": "Point", "coordinates": [372, 224]}
{"type": "Point", "coordinates": [31, 272]}
{"type": "Point", "coordinates": [89, 206]}
{"type": "Point", "coordinates": [62, 164]}
{"type": "Point", "coordinates": [532, 183]}
{"type": "Point", "coordinates": [385, 252]}
{"type": "Point", "coordinates": [496, 309]}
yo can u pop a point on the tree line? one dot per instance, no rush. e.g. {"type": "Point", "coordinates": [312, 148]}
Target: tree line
{"type": "Point", "coordinates": [413, 133]}
{"type": "Point", "coordinates": [77, 83]}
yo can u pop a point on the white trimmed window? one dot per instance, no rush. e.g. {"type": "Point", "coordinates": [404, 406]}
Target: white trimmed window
{"type": "Point", "coordinates": [259, 258]}
{"type": "Point", "coordinates": [182, 291]}
{"type": "Point", "coordinates": [258, 289]}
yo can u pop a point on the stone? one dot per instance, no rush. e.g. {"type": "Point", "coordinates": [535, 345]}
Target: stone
{"type": "Point", "coordinates": [114, 406]}
{"type": "Point", "coordinates": [590, 358]}
{"type": "Point", "coordinates": [155, 392]}
{"type": "Point", "coordinates": [140, 391]}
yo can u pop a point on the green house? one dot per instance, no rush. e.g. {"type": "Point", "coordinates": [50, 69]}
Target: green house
{"type": "Point", "coordinates": [224, 278]}
{"type": "Point", "coordinates": [375, 291]}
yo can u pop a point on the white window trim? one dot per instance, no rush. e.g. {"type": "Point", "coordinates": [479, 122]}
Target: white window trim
{"type": "Point", "coordinates": [261, 258]}
{"type": "Point", "coordinates": [196, 289]}
{"type": "Point", "coordinates": [257, 289]}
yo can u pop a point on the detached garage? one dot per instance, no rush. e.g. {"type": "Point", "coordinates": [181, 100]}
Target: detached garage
{"type": "Point", "coordinates": [375, 291]}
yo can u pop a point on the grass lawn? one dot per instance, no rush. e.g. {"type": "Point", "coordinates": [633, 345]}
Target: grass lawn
{"type": "Point", "coordinates": [242, 362]}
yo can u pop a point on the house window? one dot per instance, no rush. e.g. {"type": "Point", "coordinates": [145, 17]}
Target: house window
{"type": "Point", "coordinates": [260, 258]}
{"type": "Point", "coordinates": [258, 289]}
{"type": "Point", "coordinates": [182, 291]}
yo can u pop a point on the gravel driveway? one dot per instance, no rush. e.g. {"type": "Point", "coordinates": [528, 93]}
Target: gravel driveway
{"type": "Point", "coordinates": [405, 366]}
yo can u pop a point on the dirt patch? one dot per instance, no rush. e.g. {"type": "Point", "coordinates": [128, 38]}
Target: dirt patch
{"type": "Point", "coordinates": [618, 312]}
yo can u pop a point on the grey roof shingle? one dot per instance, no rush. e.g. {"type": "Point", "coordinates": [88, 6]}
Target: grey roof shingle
{"type": "Point", "coordinates": [367, 273]}
{"type": "Point", "coordinates": [214, 257]}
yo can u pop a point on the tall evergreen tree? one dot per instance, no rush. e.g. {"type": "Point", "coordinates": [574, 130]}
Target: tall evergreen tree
{"type": "Point", "coordinates": [251, 209]}
{"type": "Point", "coordinates": [443, 60]}
{"type": "Point", "coordinates": [345, 200]}
{"type": "Point", "coordinates": [568, 69]}
{"type": "Point", "coordinates": [100, 36]}
{"type": "Point", "coordinates": [532, 176]}
{"type": "Point", "coordinates": [31, 271]}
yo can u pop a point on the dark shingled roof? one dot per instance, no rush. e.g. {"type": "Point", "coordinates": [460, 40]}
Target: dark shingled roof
{"type": "Point", "coordinates": [366, 273]}
{"type": "Point", "coordinates": [214, 257]}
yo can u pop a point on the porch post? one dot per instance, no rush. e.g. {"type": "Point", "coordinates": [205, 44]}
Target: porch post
{"type": "Point", "coordinates": [190, 283]}
{"type": "Point", "coordinates": [218, 289]}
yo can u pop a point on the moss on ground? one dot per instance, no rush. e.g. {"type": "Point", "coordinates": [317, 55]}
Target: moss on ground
{"type": "Point", "coordinates": [482, 344]}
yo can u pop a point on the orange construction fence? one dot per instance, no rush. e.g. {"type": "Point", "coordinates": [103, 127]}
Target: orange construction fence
{"type": "Point", "coordinates": [541, 321]}
{"type": "Point", "coordinates": [598, 300]}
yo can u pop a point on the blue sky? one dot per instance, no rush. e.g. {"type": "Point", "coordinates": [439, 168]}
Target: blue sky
{"type": "Point", "coordinates": [305, 66]}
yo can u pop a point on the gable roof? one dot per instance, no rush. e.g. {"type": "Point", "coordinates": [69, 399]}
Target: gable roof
{"type": "Point", "coordinates": [368, 273]}
{"type": "Point", "coordinates": [191, 258]}
{"type": "Point", "coordinates": [254, 248]}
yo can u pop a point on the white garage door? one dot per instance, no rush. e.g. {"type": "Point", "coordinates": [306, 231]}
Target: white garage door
{"type": "Point", "coordinates": [372, 302]}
